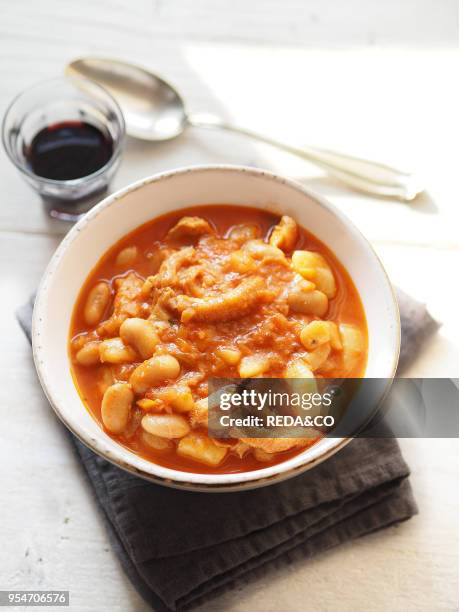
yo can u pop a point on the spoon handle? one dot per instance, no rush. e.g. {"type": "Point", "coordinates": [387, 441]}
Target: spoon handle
{"type": "Point", "coordinates": [364, 175]}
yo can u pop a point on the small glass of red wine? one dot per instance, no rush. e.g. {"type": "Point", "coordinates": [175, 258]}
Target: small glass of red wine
{"type": "Point", "coordinates": [66, 137]}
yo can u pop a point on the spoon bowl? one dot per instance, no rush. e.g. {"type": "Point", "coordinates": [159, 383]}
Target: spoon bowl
{"type": "Point", "coordinates": [152, 108]}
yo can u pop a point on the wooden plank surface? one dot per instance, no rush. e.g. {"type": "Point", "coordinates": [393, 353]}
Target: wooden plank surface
{"type": "Point", "coordinates": [375, 79]}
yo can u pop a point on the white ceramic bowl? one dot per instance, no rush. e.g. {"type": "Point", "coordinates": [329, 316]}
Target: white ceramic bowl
{"type": "Point", "coordinates": [124, 211]}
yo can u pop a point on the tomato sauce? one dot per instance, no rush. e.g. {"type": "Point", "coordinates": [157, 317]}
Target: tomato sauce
{"type": "Point", "coordinates": [269, 328]}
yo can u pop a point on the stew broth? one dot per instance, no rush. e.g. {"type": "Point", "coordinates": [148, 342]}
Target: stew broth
{"type": "Point", "coordinates": [217, 293]}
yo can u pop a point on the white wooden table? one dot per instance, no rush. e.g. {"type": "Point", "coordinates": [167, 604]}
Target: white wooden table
{"type": "Point", "coordinates": [374, 79]}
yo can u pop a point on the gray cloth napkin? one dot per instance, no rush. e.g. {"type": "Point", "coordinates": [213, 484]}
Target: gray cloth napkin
{"type": "Point", "coordinates": [181, 549]}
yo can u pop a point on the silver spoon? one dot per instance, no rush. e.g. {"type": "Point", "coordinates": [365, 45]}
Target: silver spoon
{"type": "Point", "coordinates": [154, 111]}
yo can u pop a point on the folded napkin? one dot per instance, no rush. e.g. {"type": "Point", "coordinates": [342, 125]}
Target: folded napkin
{"type": "Point", "coordinates": [181, 549]}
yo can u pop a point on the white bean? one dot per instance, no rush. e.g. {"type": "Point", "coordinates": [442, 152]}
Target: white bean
{"type": "Point", "coordinates": [114, 350]}
{"type": "Point", "coordinates": [116, 407]}
{"type": "Point", "coordinates": [126, 256]}
{"type": "Point", "coordinates": [96, 303]}
{"type": "Point", "coordinates": [159, 444]}
{"type": "Point", "coordinates": [303, 300]}
{"type": "Point", "coordinates": [140, 334]}
{"type": "Point", "coordinates": [153, 371]}
{"type": "Point", "coordinates": [89, 355]}
{"type": "Point", "coordinates": [168, 426]}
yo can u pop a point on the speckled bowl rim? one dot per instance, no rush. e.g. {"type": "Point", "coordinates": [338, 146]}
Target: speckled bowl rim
{"type": "Point", "coordinates": [157, 473]}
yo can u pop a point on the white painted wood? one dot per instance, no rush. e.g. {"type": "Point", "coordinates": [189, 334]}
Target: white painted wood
{"type": "Point", "coordinates": [375, 79]}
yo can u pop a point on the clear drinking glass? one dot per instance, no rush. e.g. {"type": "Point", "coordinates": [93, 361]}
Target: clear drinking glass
{"type": "Point", "coordinates": [52, 102]}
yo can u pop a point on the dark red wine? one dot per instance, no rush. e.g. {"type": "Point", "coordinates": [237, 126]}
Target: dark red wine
{"type": "Point", "coordinates": [69, 150]}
